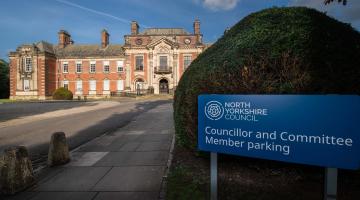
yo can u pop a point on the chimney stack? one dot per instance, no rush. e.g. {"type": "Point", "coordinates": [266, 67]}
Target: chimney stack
{"type": "Point", "coordinates": [104, 38]}
{"type": "Point", "coordinates": [64, 38]}
{"type": "Point", "coordinates": [134, 28]}
{"type": "Point", "coordinates": [197, 27]}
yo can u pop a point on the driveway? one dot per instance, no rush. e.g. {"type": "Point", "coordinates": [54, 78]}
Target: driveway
{"type": "Point", "coordinates": [80, 124]}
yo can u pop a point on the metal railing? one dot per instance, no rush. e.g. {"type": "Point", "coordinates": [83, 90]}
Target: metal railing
{"type": "Point", "coordinates": [163, 70]}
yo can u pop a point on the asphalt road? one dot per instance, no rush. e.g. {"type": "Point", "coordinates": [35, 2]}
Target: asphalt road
{"type": "Point", "coordinates": [35, 131]}
{"type": "Point", "coordinates": [15, 110]}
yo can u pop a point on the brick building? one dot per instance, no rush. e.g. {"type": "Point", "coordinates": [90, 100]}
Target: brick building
{"type": "Point", "coordinates": [151, 60]}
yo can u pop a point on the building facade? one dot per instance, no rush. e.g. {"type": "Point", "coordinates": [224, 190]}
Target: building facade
{"type": "Point", "coordinates": [149, 61]}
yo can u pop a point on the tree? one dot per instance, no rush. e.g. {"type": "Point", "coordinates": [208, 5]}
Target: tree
{"type": "Point", "coordinates": [293, 50]}
{"type": "Point", "coordinates": [4, 79]}
{"type": "Point", "coordinates": [339, 1]}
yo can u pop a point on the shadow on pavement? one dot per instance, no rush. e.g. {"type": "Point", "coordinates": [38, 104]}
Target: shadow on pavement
{"type": "Point", "coordinates": [106, 126]}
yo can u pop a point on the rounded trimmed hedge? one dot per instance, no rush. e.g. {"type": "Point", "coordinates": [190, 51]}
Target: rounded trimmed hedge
{"type": "Point", "coordinates": [275, 51]}
{"type": "Point", "coordinates": [62, 94]}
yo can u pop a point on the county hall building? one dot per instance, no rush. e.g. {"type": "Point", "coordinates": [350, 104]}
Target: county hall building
{"type": "Point", "coordinates": [149, 61]}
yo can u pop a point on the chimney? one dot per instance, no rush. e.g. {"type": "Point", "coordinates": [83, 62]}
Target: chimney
{"type": "Point", "coordinates": [64, 38]}
{"type": "Point", "coordinates": [104, 38]}
{"type": "Point", "coordinates": [197, 27]}
{"type": "Point", "coordinates": [134, 28]}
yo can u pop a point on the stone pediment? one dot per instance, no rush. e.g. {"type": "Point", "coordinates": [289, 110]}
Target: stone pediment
{"type": "Point", "coordinates": [163, 44]}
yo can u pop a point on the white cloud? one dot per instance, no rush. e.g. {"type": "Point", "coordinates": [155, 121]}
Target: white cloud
{"type": "Point", "coordinates": [217, 5]}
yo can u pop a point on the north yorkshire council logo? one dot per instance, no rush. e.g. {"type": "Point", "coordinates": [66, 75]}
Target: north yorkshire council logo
{"type": "Point", "coordinates": [214, 110]}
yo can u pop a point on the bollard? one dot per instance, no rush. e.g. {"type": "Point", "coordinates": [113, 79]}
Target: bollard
{"type": "Point", "coordinates": [16, 173]}
{"type": "Point", "coordinates": [58, 150]}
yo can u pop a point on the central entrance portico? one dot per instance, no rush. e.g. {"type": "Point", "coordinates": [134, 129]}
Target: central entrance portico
{"type": "Point", "coordinates": [163, 86]}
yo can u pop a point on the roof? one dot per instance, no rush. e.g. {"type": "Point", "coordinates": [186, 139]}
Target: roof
{"type": "Point", "coordinates": [89, 50]}
{"type": "Point", "coordinates": [45, 47]}
{"type": "Point", "coordinates": [164, 31]}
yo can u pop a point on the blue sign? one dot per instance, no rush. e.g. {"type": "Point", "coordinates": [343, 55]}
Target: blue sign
{"type": "Point", "coordinates": [321, 130]}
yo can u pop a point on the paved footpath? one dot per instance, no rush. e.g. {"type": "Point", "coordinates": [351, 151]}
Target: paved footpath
{"type": "Point", "coordinates": [127, 164]}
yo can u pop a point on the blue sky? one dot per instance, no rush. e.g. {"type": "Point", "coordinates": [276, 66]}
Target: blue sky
{"type": "Point", "coordinates": [24, 21]}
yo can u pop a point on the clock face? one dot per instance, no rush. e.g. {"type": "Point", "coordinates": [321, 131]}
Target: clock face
{"type": "Point", "coordinates": [138, 41]}
{"type": "Point", "coordinates": [187, 41]}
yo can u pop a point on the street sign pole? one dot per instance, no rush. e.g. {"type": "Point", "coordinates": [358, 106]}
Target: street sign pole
{"type": "Point", "coordinates": [213, 176]}
{"type": "Point", "coordinates": [330, 183]}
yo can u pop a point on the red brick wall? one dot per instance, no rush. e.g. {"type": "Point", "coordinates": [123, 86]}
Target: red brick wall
{"type": "Point", "coordinates": [13, 72]}
{"type": "Point", "coordinates": [50, 84]}
{"type": "Point", "coordinates": [41, 76]}
{"type": "Point", "coordinates": [85, 76]}
{"type": "Point", "coordinates": [181, 62]}
{"type": "Point", "coordinates": [133, 66]}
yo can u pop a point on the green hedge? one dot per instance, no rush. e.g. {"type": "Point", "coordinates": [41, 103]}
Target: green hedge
{"type": "Point", "coordinates": [275, 51]}
{"type": "Point", "coordinates": [62, 94]}
{"type": "Point", "coordinates": [4, 80]}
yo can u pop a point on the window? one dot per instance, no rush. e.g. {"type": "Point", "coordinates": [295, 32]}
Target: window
{"type": "Point", "coordinates": [163, 62]}
{"type": "Point", "coordinates": [106, 84]}
{"type": "Point", "coordinates": [78, 67]}
{"type": "Point", "coordinates": [92, 85]}
{"type": "Point", "coordinates": [28, 64]}
{"type": "Point", "coordinates": [65, 67]}
{"type": "Point", "coordinates": [187, 61]}
{"type": "Point", "coordinates": [120, 66]}
{"type": "Point", "coordinates": [139, 65]}
{"type": "Point", "coordinates": [120, 85]}
{"type": "Point", "coordinates": [79, 85]}
{"type": "Point", "coordinates": [26, 84]}
{"type": "Point", "coordinates": [66, 84]}
{"type": "Point", "coordinates": [106, 67]}
{"type": "Point", "coordinates": [92, 66]}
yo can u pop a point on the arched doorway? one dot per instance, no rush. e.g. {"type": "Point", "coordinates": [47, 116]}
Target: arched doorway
{"type": "Point", "coordinates": [163, 86]}
{"type": "Point", "coordinates": [139, 86]}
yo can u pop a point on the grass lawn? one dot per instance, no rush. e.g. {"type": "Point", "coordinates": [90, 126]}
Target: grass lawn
{"type": "Point", "coordinates": [252, 179]}
{"type": "Point", "coordinates": [6, 100]}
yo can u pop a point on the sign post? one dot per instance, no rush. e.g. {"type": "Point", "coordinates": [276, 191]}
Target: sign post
{"type": "Point", "coordinates": [213, 176]}
{"type": "Point", "coordinates": [320, 130]}
{"type": "Point", "coordinates": [330, 185]}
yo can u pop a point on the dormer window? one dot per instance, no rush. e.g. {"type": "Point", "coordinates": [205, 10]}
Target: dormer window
{"type": "Point", "coordinates": [28, 64]}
